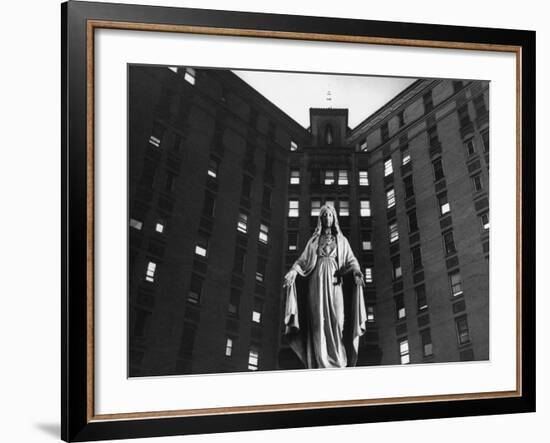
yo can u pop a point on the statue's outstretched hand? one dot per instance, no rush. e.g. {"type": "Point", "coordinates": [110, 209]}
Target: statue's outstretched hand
{"type": "Point", "coordinates": [290, 277]}
{"type": "Point", "coordinates": [359, 279]}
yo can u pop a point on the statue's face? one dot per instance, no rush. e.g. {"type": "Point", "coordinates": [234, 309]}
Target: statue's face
{"type": "Point", "coordinates": [327, 219]}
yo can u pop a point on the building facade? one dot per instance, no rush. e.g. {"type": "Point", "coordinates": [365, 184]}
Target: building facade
{"type": "Point", "coordinates": [224, 192]}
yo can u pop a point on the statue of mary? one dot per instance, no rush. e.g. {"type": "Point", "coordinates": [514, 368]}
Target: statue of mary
{"type": "Point", "coordinates": [318, 336]}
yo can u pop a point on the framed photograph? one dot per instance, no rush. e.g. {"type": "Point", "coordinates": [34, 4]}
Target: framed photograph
{"type": "Point", "coordinates": [277, 221]}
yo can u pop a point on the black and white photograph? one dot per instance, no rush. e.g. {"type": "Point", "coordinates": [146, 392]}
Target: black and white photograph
{"type": "Point", "coordinates": [302, 220]}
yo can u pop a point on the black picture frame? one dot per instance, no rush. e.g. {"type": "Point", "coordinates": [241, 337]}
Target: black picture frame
{"type": "Point", "coordinates": [77, 418]}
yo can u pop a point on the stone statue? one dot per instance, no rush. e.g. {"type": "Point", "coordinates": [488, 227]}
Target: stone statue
{"type": "Point", "coordinates": [317, 336]}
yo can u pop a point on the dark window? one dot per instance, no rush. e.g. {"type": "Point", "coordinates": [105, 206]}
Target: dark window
{"type": "Point", "coordinates": [170, 182]}
{"type": "Point", "coordinates": [238, 264]}
{"type": "Point", "coordinates": [409, 188]}
{"type": "Point", "coordinates": [485, 138]}
{"type": "Point", "coordinates": [141, 318]}
{"type": "Point", "coordinates": [209, 204]}
{"type": "Point", "coordinates": [449, 241]}
{"type": "Point", "coordinates": [266, 201]}
{"type": "Point", "coordinates": [421, 300]}
{"type": "Point", "coordinates": [400, 311]}
{"type": "Point", "coordinates": [457, 85]}
{"type": "Point", "coordinates": [477, 183]}
{"type": "Point", "coordinates": [427, 347]}
{"type": "Point", "coordinates": [401, 118]}
{"type": "Point", "coordinates": [413, 222]}
{"type": "Point", "coordinates": [416, 258]}
{"type": "Point", "coordinates": [428, 101]}
{"type": "Point", "coordinates": [433, 138]}
{"type": "Point", "coordinates": [234, 302]}
{"type": "Point", "coordinates": [187, 341]}
{"type": "Point", "coordinates": [470, 147]}
{"type": "Point", "coordinates": [268, 166]}
{"type": "Point", "coordinates": [384, 131]}
{"type": "Point", "coordinates": [329, 138]}
{"type": "Point", "coordinates": [438, 169]}
{"type": "Point", "coordinates": [195, 291]}
{"type": "Point", "coordinates": [177, 142]}
{"type": "Point", "coordinates": [462, 330]}
{"type": "Point", "coordinates": [260, 269]}
{"type": "Point", "coordinates": [463, 115]}
{"type": "Point", "coordinates": [479, 105]}
{"type": "Point", "coordinates": [247, 186]}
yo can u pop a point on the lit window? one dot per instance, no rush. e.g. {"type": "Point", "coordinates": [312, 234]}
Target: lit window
{"type": "Point", "coordinates": [404, 351]}
{"type": "Point", "coordinates": [370, 313]}
{"type": "Point", "coordinates": [421, 300]}
{"type": "Point", "coordinates": [427, 347]}
{"type": "Point", "coordinates": [396, 265]}
{"type": "Point", "coordinates": [228, 347]}
{"type": "Point", "coordinates": [234, 301]}
{"type": "Point", "coordinates": [329, 178]}
{"type": "Point", "coordinates": [190, 75]}
{"type": "Point", "coordinates": [242, 223]}
{"type": "Point", "coordinates": [293, 208]}
{"type": "Point", "coordinates": [151, 269]}
{"type": "Point", "coordinates": [444, 206]}
{"type": "Point", "coordinates": [260, 269]}
{"type": "Point", "coordinates": [253, 359]}
{"type": "Point", "coordinates": [363, 178]}
{"type": "Point", "coordinates": [292, 241]}
{"type": "Point", "coordinates": [400, 310]}
{"type": "Point", "coordinates": [405, 156]}
{"type": "Point", "coordinates": [295, 177]}
{"type": "Point", "coordinates": [368, 275]}
{"type": "Point", "coordinates": [456, 284]}
{"type": "Point", "coordinates": [315, 208]}
{"type": "Point", "coordinates": [449, 242]}
{"type": "Point", "coordinates": [438, 169]}
{"type": "Point", "coordinates": [366, 242]}
{"type": "Point", "coordinates": [485, 221]}
{"type": "Point", "coordinates": [173, 69]}
{"type": "Point", "coordinates": [264, 233]}
{"type": "Point", "coordinates": [476, 182]}
{"type": "Point", "coordinates": [136, 224]}
{"type": "Point", "coordinates": [293, 145]}
{"type": "Point", "coordinates": [257, 311]}
{"type": "Point", "coordinates": [344, 208]}
{"type": "Point", "coordinates": [394, 233]}
{"type": "Point", "coordinates": [194, 295]}
{"type": "Point", "coordinates": [416, 258]}
{"type": "Point", "coordinates": [363, 146]}
{"type": "Point", "coordinates": [390, 198]}
{"type": "Point", "coordinates": [388, 167]}
{"type": "Point", "coordinates": [462, 330]}
{"type": "Point", "coordinates": [342, 177]}
{"type": "Point", "coordinates": [159, 227]}
{"type": "Point", "coordinates": [329, 203]}
{"type": "Point", "coordinates": [213, 166]}
{"type": "Point", "coordinates": [365, 208]}
{"type": "Point", "coordinates": [201, 248]}
{"type": "Point", "coordinates": [470, 147]}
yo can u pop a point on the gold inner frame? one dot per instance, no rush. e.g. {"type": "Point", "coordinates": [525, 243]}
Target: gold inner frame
{"type": "Point", "coordinates": [97, 24]}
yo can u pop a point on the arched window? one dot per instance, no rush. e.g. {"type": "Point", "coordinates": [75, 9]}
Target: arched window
{"type": "Point", "coordinates": [328, 134]}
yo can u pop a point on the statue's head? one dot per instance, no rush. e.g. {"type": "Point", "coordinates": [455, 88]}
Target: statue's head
{"type": "Point", "coordinates": [328, 219]}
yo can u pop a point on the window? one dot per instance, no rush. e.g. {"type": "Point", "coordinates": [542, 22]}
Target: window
{"type": "Point", "coordinates": [396, 267]}
{"type": "Point", "coordinates": [394, 233]}
{"type": "Point", "coordinates": [449, 242]}
{"type": "Point", "coordinates": [401, 118]}
{"type": "Point", "coordinates": [209, 204]}
{"type": "Point", "coordinates": [405, 156]}
{"type": "Point", "coordinates": [213, 166]}
{"type": "Point", "coordinates": [390, 198]}
{"type": "Point", "coordinates": [260, 269]}
{"type": "Point", "coordinates": [438, 169]}
{"type": "Point", "coordinates": [470, 147]}
{"type": "Point", "coordinates": [187, 340]}
{"type": "Point", "coordinates": [195, 291]}
{"type": "Point", "coordinates": [136, 224]}
{"type": "Point", "coordinates": [266, 200]}
{"type": "Point", "coordinates": [363, 146]}
{"type": "Point", "coordinates": [242, 223]}
{"type": "Point", "coordinates": [485, 221]}
{"type": "Point", "coordinates": [485, 139]}
{"type": "Point", "coordinates": [364, 210]}
{"type": "Point", "coordinates": [190, 75]}
{"type": "Point", "coordinates": [264, 233]}
{"type": "Point", "coordinates": [257, 310]}
{"type": "Point", "coordinates": [201, 248]}
{"type": "Point", "coordinates": [366, 242]}
{"type": "Point", "coordinates": [150, 273]}
{"type": "Point", "coordinates": [268, 171]}
{"type": "Point", "coordinates": [293, 208]}
{"type": "Point", "coordinates": [409, 188]}
{"type": "Point", "coordinates": [253, 359]}
{"type": "Point", "coordinates": [170, 182]}
{"type": "Point", "coordinates": [443, 202]}
{"type": "Point", "coordinates": [156, 134]}
{"type": "Point", "coordinates": [463, 115]}
{"type": "Point", "coordinates": [315, 208]}
{"type": "Point", "coordinates": [421, 300]}
{"type": "Point", "coordinates": [413, 222]}
{"type": "Point", "coordinates": [426, 338]}
{"type": "Point", "coordinates": [416, 258]}
{"type": "Point", "coordinates": [363, 178]}
{"type": "Point", "coordinates": [292, 240]}
{"type": "Point", "coordinates": [456, 283]}
{"type": "Point", "coordinates": [400, 310]}
{"type": "Point", "coordinates": [344, 208]}
{"type": "Point", "coordinates": [343, 177]}
{"type": "Point", "coordinates": [370, 314]}
{"type": "Point", "coordinates": [238, 264]}
{"type": "Point", "coordinates": [368, 275]}
{"type": "Point", "coordinates": [428, 101]}
{"type": "Point", "coordinates": [433, 138]}
{"type": "Point", "coordinates": [457, 85]}
{"type": "Point", "coordinates": [159, 227]}
{"type": "Point", "coordinates": [234, 302]}
{"type": "Point", "coordinates": [329, 178]}
{"type": "Point", "coordinates": [228, 347]}
{"type": "Point", "coordinates": [479, 105]}
{"type": "Point", "coordinates": [247, 186]}
{"type": "Point", "coordinates": [404, 351]}
{"type": "Point", "coordinates": [388, 167]}
{"type": "Point", "coordinates": [462, 330]}
{"type": "Point", "coordinates": [329, 203]}
{"type": "Point", "coordinates": [476, 183]}
{"type": "Point", "coordinates": [293, 145]}
{"type": "Point", "coordinates": [384, 132]}
{"type": "Point", "coordinates": [295, 177]}
{"type": "Point", "coordinates": [177, 142]}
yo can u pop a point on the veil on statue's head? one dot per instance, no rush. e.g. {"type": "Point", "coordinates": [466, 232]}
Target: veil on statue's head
{"type": "Point", "coordinates": [335, 225]}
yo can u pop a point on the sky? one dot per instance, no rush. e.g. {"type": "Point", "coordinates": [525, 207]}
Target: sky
{"type": "Point", "coordinates": [295, 93]}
